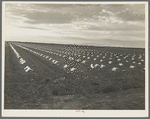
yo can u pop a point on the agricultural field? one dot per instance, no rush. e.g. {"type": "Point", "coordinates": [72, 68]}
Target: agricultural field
{"type": "Point", "coordinates": [59, 76]}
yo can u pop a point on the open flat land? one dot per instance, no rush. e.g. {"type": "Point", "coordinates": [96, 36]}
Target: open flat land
{"type": "Point", "coordinates": [55, 76]}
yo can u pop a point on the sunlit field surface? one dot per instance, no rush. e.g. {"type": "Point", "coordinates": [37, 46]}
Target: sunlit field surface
{"type": "Point", "coordinates": [55, 76]}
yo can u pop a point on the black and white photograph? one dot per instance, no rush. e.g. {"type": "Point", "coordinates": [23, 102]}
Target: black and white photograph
{"type": "Point", "coordinates": [75, 59]}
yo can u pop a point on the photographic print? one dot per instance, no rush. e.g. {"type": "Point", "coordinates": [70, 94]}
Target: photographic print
{"type": "Point", "coordinates": [75, 59]}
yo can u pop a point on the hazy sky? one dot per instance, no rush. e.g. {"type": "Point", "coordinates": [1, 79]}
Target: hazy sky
{"type": "Point", "coordinates": [99, 24]}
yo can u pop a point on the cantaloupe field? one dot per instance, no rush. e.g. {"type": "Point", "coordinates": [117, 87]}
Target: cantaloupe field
{"type": "Point", "coordinates": [59, 76]}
